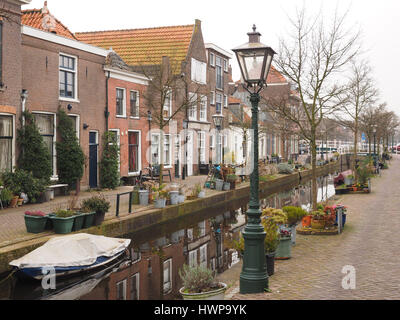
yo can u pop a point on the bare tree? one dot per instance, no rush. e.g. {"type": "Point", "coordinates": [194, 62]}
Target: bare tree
{"type": "Point", "coordinates": [359, 94]}
{"type": "Point", "coordinates": [310, 60]}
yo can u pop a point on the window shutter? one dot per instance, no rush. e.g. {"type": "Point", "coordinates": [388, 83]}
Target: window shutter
{"type": "Point", "coordinates": [137, 99]}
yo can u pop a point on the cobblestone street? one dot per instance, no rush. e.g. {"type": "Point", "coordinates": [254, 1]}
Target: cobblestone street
{"type": "Point", "coordinates": [370, 243]}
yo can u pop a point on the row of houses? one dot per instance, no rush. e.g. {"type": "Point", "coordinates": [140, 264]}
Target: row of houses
{"type": "Point", "coordinates": [103, 81]}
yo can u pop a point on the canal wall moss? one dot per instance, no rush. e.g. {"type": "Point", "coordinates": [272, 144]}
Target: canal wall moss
{"type": "Point", "coordinates": [121, 226]}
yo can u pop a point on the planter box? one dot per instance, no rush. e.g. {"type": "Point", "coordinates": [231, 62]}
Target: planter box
{"type": "Point", "coordinates": [284, 250]}
{"type": "Point", "coordinates": [217, 294]}
{"type": "Point", "coordinates": [270, 258]}
{"type": "Point", "coordinates": [99, 218]}
{"type": "Point", "coordinates": [89, 220]}
{"type": "Point", "coordinates": [62, 225]}
{"type": "Point", "coordinates": [35, 224]}
{"type": "Point", "coordinates": [78, 222]}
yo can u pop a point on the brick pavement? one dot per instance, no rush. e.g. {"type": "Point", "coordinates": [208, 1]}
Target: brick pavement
{"type": "Point", "coordinates": [12, 224]}
{"type": "Point", "coordinates": [370, 243]}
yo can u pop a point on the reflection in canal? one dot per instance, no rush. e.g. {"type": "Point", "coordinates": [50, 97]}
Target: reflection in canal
{"type": "Point", "coordinates": [151, 269]}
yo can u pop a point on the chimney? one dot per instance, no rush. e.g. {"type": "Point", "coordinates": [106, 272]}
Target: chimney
{"type": "Point", "coordinates": [254, 37]}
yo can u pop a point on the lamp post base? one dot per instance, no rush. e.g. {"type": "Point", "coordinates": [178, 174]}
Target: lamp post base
{"type": "Point", "coordinates": [254, 276]}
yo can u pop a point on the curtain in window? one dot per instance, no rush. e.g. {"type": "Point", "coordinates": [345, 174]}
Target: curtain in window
{"type": "Point", "coordinates": [154, 149]}
{"type": "Point", "coordinates": [45, 123]}
{"type": "Point", "coordinates": [167, 142]}
{"type": "Point", "coordinates": [167, 276]}
{"type": "Point", "coordinates": [133, 151]}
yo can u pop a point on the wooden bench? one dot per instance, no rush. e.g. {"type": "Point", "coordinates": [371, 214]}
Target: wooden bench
{"type": "Point", "coordinates": [59, 186]}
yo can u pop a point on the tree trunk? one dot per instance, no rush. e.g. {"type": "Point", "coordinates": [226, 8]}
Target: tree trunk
{"type": "Point", "coordinates": [161, 156]}
{"type": "Point", "coordinates": [355, 149]}
{"type": "Point", "coordinates": [314, 187]}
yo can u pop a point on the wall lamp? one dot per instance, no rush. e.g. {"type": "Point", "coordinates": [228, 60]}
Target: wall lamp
{"type": "Point", "coordinates": [85, 126]}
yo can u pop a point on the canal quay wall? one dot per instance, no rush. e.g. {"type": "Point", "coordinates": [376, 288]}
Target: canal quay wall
{"type": "Point", "coordinates": [153, 221]}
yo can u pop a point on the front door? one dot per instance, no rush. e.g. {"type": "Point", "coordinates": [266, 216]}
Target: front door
{"type": "Point", "coordinates": [93, 151]}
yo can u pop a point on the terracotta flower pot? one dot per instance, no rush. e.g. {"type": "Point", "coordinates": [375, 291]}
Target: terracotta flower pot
{"type": "Point", "coordinates": [306, 221]}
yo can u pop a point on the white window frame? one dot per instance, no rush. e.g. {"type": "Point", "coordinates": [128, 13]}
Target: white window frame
{"type": "Point", "coordinates": [193, 258]}
{"type": "Point", "coordinates": [212, 98]}
{"type": "Point", "coordinates": [139, 153]}
{"type": "Point", "coordinates": [137, 104]}
{"type": "Point", "coordinates": [138, 259]}
{"type": "Point", "coordinates": [169, 93]}
{"type": "Point", "coordinates": [201, 140]}
{"type": "Point", "coordinates": [55, 176]}
{"type": "Point", "coordinates": [222, 102]}
{"type": "Point", "coordinates": [203, 256]}
{"type": "Point", "coordinates": [225, 65]}
{"type": "Point", "coordinates": [193, 98]}
{"type": "Point", "coordinates": [169, 261]}
{"type": "Point", "coordinates": [123, 282]}
{"type": "Point", "coordinates": [198, 71]}
{"type": "Point", "coordinates": [190, 234]}
{"type": "Point", "coordinates": [225, 101]}
{"type": "Point", "coordinates": [168, 137]}
{"type": "Point", "coordinates": [78, 124]}
{"type": "Point", "coordinates": [203, 108]}
{"type": "Point", "coordinates": [123, 104]}
{"type": "Point", "coordinates": [13, 159]}
{"type": "Point", "coordinates": [222, 72]}
{"type": "Point", "coordinates": [212, 59]}
{"type": "Point", "coordinates": [76, 93]}
{"type": "Point", "coordinates": [212, 141]}
{"type": "Point", "coordinates": [137, 284]}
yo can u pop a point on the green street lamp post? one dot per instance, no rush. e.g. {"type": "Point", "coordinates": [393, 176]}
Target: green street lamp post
{"type": "Point", "coordinates": [255, 62]}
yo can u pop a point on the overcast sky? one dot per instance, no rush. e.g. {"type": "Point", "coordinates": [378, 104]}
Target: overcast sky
{"type": "Point", "coordinates": [226, 22]}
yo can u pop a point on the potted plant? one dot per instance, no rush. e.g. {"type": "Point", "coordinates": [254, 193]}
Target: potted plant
{"type": "Point", "coordinates": [271, 243]}
{"type": "Point", "coordinates": [63, 220]}
{"type": "Point", "coordinates": [219, 184]}
{"type": "Point", "coordinates": [318, 220]}
{"type": "Point", "coordinates": [160, 196]}
{"type": "Point", "coordinates": [97, 204]}
{"type": "Point", "coordinates": [294, 216]}
{"type": "Point", "coordinates": [35, 221]}
{"type": "Point", "coordinates": [181, 196]}
{"type": "Point", "coordinates": [6, 196]}
{"type": "Point", "coordinates": [284, 249]}
{"type": "Point", "coordinates": [349, 180]}
{"type": "Point", "coordinates": [199, 190]}
{"type": "Point", "coordinates": [199, 284]}
{"type": "Point", "coordinates": [89, 217]}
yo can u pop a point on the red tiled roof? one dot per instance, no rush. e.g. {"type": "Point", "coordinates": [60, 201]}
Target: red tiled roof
{"type": "Point", "coordinates": [143, 46]}
{"type": "Point", "coordinates": [274, 76]}
{"type": "Point", "coordinates": [233, 100]}
{"type": "Point", "coordinates": [35, 18]}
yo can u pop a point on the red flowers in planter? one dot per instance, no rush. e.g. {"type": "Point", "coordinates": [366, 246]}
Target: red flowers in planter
{"type": "Point", "coordinates": [35, 213]}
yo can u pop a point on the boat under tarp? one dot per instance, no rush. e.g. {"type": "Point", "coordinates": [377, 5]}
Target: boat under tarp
{"type": "Point", "coordinates": [71, 254]}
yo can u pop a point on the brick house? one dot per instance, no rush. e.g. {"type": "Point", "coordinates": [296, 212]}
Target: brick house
{"type": "Point", "coordinates": [182, 49]}
{"type": "Point", "coordinates": [10, 79]}
{"type": "Point", "coordinates": [61, 72]}
{"type": "Point", "coordinates": [126, 114]}
{"type": "Point", "coordinates": [219, 77]}
{"type": "Point", "coordinates": [273, 138]}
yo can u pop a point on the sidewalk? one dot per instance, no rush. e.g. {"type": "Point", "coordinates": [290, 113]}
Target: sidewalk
{"type": "Point", "coordinates": [12, 223]}
{"type": "Point", "coordinates": [369, 243]}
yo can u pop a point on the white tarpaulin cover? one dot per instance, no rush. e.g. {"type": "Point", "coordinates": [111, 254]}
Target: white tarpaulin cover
{"type": "Point", "coordinates": [72, 251]}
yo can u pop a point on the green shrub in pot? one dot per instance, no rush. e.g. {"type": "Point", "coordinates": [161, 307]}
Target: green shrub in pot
{"type": "Point", "coordinates": [97, 204]}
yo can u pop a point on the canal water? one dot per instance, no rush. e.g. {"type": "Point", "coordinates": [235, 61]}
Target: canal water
{"type": "Point", "coordinates": [150, 270]}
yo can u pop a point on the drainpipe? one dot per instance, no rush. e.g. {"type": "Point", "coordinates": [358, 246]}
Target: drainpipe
{"type": "Point", "coordinates": [106, 113]}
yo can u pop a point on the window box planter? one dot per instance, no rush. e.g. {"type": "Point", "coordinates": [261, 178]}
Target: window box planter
{"type": "Point", "coordinates": [62, 225]}
{"type": "Point", "coordinates": [270, 258]}
{"type": "Point", "coordinates": [284, 250]}
{"type": "Point", "coordinates": [78, 222]}
{"type": "Point", "coordinates": [35, 224]}
{"type": "Point", "coordinates": [217, 294]}
{"type": "Point", "coordinates": [99, 218]}
{"type": "Point", "coordinates": [89, 220]}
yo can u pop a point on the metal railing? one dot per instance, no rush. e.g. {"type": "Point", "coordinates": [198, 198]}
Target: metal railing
{"type": "Point", "coordinates": [117, 209]}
